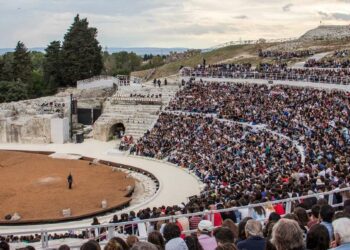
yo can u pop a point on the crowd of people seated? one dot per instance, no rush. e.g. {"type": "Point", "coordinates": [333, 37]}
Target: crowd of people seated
{"type": "Point", "coordinates": [280, 55]}
{"type": "Point", "coordinates": [249, 144]}
{"type": "Point", "coordinates": [339, 59]}
{"type": "Point", "coordinates": [126, 142]}
{"type": "Point", "coordinates": [342, 53]}
{"type": "Point", "coordinates": [321, 229]}
{"type": "Point", "coordinates": [52, 107]}
{"type": "Point", "coordinates": [232, 157]}
{"type": "Point", "coordinates": [146, 96]}
{"type": "Point", "coordinates": [328, 63]}
{"type": "Point", "coordinates": [278, 71]}
{"type": "Point", "coordinates": [234, 160]}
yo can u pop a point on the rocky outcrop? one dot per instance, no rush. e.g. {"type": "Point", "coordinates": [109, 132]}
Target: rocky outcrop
{"type": "Point", "coordinates": [327, 32]}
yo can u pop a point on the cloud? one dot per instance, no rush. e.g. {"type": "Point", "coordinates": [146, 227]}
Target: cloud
{"type": "Point", "coordinates": [241, 17]}
{"type": "Point", "coordinates": [165, 23]}
{"type": "Point", "coordinates": [335, 16]}
{"type": "Point", "coordinates": [341, 16]}
{"type": "Point", "coordinates": [286, 8]}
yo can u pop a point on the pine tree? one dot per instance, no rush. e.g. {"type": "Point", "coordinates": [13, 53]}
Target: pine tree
{"type": "Point", "coordinates": [52, 66]}
{"type": "Point", "coordinates": [7, 68]}
{"type": "Point", "coordinates": [81, 52]}
{"type": "Point", "coordinates": [22, 65]}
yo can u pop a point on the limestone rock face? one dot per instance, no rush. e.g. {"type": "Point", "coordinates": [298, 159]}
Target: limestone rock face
{"type": "Point", "coordinates": [26, 129]}
{"type": "Point", "coordinates": [28, 121]}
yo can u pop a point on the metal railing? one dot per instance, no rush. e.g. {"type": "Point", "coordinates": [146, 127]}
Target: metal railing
{"type": "Point", "coordinates": [112, 228]}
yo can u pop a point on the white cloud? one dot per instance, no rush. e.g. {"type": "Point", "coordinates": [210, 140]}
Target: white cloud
{"type": "Point", "coordinates": [165, 23]}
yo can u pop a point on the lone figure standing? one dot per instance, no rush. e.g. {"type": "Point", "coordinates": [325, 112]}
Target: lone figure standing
{"type": "Point", "coordinates": [70, 180]}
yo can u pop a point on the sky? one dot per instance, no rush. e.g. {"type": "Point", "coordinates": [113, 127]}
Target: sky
{"type": "Point", "coordinates": [166, 23]}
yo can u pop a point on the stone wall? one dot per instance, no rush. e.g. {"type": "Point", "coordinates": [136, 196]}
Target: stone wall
{"type": "Point", "coordinates": [26, 129]}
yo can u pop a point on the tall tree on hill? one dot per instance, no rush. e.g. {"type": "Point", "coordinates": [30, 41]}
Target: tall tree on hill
{"type": "Point", "coordinates": [52, 66]}
{"type": "Point", "coordinates": [22, 65]}
{"type": "Point", "coordinates": [81, 52]}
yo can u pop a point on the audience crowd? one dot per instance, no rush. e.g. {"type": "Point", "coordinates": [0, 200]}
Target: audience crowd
{"type": "Point", "coordinates": [328, 63]}
{"type": "Point", "coordinates": [248, 144]}
{"type": "Point", "coordinates": [277, 71]}
{"type": "Point", "coordinates": [281, 55]}
{"type": "Point", "coordinates": [325, 228]}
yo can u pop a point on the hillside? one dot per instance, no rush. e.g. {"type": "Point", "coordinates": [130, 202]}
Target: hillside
{"type": "Point", "coordinates": [241, 53]}
{"type": "Point", "coordinates": [329, 38]}
{"type": "Point", "coordinates": [325, 32]}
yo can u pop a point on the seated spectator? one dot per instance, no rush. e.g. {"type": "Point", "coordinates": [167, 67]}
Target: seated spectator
{"type": "Point", "coordinates": [131, 240]}
{"type": "Point", "coordinates": [4, 245]}
{"type": "Point", "coordinates": [254, 235]}
{"type": "Point", "coordinates": [141, 245]}
{"type": "Point", "coordinates": [204, 233]}
{"type": "Point", "coordinates": [223, 235]}
{"type": "Point", "coordinates": [121, 242]}
{"type": "Point", "coordinates": [216, 215]}
{"type": "Point", "coordinates": [341, 234]}
{"type": "Point", "coordinates": [259, 213]}
{"type": "Point", "coordinates": [232, 226]}
{"type": "Point", "coordinates": [156, 239]}
{"type": "Point", "coordinates": [172, 234]}
{"type": "Point", "coordinates": [193, 243]}
{"type": "Point", "coordinates": [227, 246]}
{"type": "Point", "coordinates": [303, 218]}
{"type": "Point", "coordinates": [90, 245]}
{"type": "Point", "coordinates": [194, 220]}
{"type": "Point", "coordinates": [64, 247]}
{"type": "Point", "coordinates": [314, 217]}
{"type": "Point", "coordinates": [326, 217]}
{"type": "Point", "coordinates": [317, 238]}
{"type": "Point", "coordinates": [113, 245]}
{"type": "Point", "coordinates": [273, 218]}
{"type": "Point", "coordinates": [241, 229]}
{"type": "Point", "coordinates": [287, 235]}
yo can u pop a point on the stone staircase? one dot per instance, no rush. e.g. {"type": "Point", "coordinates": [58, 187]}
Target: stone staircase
{"type": "Point", "coordinates": [136, 114]}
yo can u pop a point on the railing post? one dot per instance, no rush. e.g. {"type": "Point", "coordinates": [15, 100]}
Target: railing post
{"type": "Point", "coordinates": [110, 232]}
{"type": "Point", "coordinates": [288, 206]}
{"type": "Point", "coordinates": [330, 199]}
{"type": "Point", "coordinates": [96, 232]}
{"type": "Point", "coordinates": [42, 240]}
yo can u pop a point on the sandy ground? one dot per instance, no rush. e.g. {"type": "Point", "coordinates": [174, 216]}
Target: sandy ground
{"type": "Point", "coordinates": [176, 185]}
{"type": "Point", "coordinates": [36, 187]}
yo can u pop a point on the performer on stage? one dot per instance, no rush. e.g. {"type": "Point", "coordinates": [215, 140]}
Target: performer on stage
{"type": "Point", "coordinates": [70, 181]}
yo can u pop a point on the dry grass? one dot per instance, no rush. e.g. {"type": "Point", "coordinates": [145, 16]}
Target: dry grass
{"type": "Point", "coordinates": [244, 54]}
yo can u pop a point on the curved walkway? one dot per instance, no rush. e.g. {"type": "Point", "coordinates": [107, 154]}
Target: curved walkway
{"type": "Point", "coordinates": [317, 57]}
{"type": "Point", "coordinates": [169, 193]}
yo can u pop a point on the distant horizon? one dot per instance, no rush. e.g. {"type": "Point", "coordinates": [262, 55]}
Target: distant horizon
{"type": "Point", "coordinates": [137, 50]}
{"type": "Point", "coordinates": [165, 23]}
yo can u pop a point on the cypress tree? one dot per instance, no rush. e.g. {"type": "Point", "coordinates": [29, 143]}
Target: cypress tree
{"type": "Point", "coordinates": [52, 66]}
{"type": "Point", "coordinates": [22, 65]}
{"type": "Point", "coordinates": [81, 52]}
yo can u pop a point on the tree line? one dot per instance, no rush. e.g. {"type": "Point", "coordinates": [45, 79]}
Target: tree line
{"type": "Point", "coordinates": [28, 74]}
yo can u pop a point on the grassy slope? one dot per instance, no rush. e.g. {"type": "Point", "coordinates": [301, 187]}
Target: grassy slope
{"type": "Point", "coordinates": [212, 57]}
{"type": "Point", "coordinates": [241, 54]}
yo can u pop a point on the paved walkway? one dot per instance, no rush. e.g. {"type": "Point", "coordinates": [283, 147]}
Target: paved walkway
{"type": "Point", "coordinates": [317, 57]}
{"type": "Point", "coordinates": [175, 184]}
